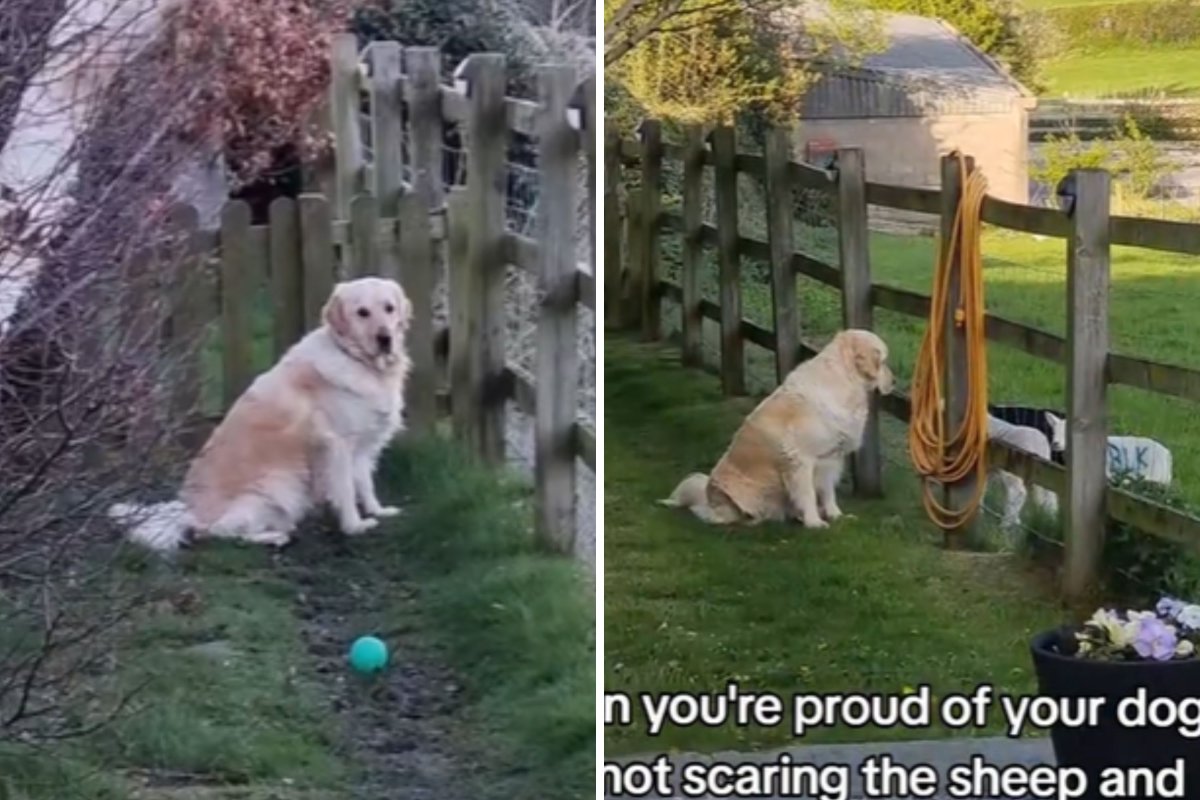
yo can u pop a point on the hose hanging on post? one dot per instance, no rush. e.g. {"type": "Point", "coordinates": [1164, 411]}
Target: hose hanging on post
{"type": "Point", "coordinates": [938, 456]}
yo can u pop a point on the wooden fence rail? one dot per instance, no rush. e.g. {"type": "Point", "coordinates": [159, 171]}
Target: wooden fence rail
{"type": "Point", "coordinates": [376, 223]}
{"type": "Point", "coordinates": [1086, 225]}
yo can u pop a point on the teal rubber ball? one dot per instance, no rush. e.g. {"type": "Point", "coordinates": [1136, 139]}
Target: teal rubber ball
{"type": "Point", "coordinates": [368, 654]}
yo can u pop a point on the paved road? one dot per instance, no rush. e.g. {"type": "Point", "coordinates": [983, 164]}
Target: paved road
{"type": "Point", "coordinates": [941, 755]}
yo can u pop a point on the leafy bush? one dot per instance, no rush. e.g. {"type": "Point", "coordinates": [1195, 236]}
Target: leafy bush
{"type": "Point", "coordinates": [1093, 27]}
{"type": "Point", "coordinates": [1141, 561]}
{"type": "Point", "coordinates": [1132, 157]}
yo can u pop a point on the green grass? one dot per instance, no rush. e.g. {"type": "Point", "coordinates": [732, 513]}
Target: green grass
{"type": "Point", "coordinates": [874, 604]}
{"type": "Point", "coordinates": [228, 698]}
{"type": "Point", "coordinates": [1126, 71]}
{"type": "Point", "coordinates": [870, 605]}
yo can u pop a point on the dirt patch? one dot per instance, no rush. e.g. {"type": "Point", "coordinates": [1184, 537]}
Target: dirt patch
{"type": "Point", "coordinates": [404, 728]}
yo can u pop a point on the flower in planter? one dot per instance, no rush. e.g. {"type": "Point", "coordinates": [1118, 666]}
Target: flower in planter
{"type": "Point", "coordinates": [1170, 631]}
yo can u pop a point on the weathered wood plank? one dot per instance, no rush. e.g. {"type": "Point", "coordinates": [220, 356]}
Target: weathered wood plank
{"type": "Point", "coordinates": [633, 286]}
{"type": "Point", "coordinates": [693, 218]}
{"type": "Point", "coordinates": [613, 255]}
{"type": "Point", "coordinates": [905, 198]}
{"type": "Point", "coordinates": [557, 382]}
{"type": "Point", "coordinates": [461, 402]}
{"type": "Point", "coordinates": [387, 125]}
{"type": "Point", "coordinates": [364, 226]}
{"type": "Point", "coordinates": [1156, 234]}
{"type": "Point", "coordinates": [733, 371]}
{"type": "Point", "coordinates": [487, 150]}
{"type": "Point", "coordinates": [316, 255]}
{"type": "Point", "coordinates": [1088, 266]}
{"type": "Point", "coordinates": [344, 105]}
{"type": "Point", "coordinates": [1040, 221]}
{"type": "Point", "coordinates": [853, 238]}
{"type": "Point", "coordinates": [191, 311]}
{"type": "Point", "coordinates": [237, 294]}
{"type": "Point", "coordinates": [416, 253]}
{"type": "Point", "coordinates": [651, 133]}
{"type": "Point", "coordinates": [287, 273]}
{"type": "Point", "coordinates": [780, 198]}
{"type": "Point", "coordinates": [959, 494]}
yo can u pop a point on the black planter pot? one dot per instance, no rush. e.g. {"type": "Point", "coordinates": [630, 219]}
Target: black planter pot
{"type": "Point", "coordinates": [1111, 744]}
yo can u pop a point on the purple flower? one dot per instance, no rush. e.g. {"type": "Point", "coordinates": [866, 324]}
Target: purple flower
{"type": "Point", "coordinates": [1169, 607]}
{"type": "Point", "coordinates": [1154, 639]}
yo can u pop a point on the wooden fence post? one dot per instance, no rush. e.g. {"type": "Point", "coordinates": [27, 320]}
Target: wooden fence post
{"type": "Point", "coordinates": [854, 252]}
{"type": "Point", "coordinates": [487, 181]}
{"type": "Point", "coordinates": [190, 314]}
{"type": "Point", "coordinates": [237, 295]}
{"type": "Point", "coordinates": [343, 106]}
{"type": "Point", "coordinates": [364, 237]}
{"type": "Point", "coordinates": [631, 290]}
{"type": "Point", "coordinates": [959, 494]}
{"type": "Point", "coordinates": [1088, 262]}
{"type": "Point", "coordinates": [387, 125]}
{"type": "Point", "coordinates": [614, 265]}
{"type": "Point", "coordinates": [417, 256]}
{"type": "Point", "coordinates": [316, 255]}
{"type": "Point", "coordinates": [556, 385]}
{"type": "Point", "coordinates": [777, 156]}
{"type": "Point", "coordinates": [693, 251]}
{"type": "Point", "coordinates": [652, 157]}
{"type": "Point", "coordinates": [584, 100]}
{"type": "Point", "coordinates": [733, 370]}
{"type": "Point", "coordinates": [287, 273]}
{"type": "Point", "coordinates": [459, 284]}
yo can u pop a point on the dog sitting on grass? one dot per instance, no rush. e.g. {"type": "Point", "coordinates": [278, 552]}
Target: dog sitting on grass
{"type": "Point", "coordinates": [787, 457]}
{"type": "Point", "coordinates": [310, 430]}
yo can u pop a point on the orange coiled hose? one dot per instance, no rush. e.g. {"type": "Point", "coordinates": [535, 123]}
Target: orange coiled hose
{"type": "Point", "coordinates": [939, 456]}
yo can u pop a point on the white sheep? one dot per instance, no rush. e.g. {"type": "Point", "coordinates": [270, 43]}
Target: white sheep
{"type": "Point", "coordinates": [1028, 440]}
{"type": "Point", "coordinates": [1139, 456]}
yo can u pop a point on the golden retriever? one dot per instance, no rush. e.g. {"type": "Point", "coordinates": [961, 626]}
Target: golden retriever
{"type": "Point", "coordinates": [309, 430]}
{"type": "Point", "coordinates": [786, 458]}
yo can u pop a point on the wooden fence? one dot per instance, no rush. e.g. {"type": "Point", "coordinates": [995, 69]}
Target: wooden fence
{"type": "Point", "coordinates": [633, 298]}
{"type": "Point", "coordinates": [375, 223]}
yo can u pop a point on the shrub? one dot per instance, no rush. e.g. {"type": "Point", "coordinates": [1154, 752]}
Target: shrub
{"type": "Point", "coordinates": [1092, 27]}
{"type": "Point", "coordinates": [1132, 157]}
{"type": "Point", "coordinates": [1143, 562]}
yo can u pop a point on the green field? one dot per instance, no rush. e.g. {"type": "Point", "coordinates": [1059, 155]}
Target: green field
{"type": "Point", "coordinates": [1086, 71]}
{"type": "Point", "coordinates": [1126, 72]}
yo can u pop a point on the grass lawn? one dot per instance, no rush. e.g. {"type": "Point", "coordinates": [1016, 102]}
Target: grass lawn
{"type": "Point", "coordinates": [242, 690]}
{"type": "Point", "coordinates": [1126, 71]}
{"type": "Point", "coordinates": [870, 605]}
{"type": "Point", "coordinates": [874, 604]}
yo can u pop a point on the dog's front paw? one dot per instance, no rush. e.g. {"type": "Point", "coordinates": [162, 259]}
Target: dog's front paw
{"type": "Point", "coordinates": [815, 522]}
{"type": "Point", "coordinates": [386, 511]}
{"type": "Point", "coordinates": [356, 527]}
{"type": "Point", "coordinates": [832, 513]}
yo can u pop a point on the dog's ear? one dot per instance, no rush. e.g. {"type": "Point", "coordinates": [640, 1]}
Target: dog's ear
{"type": "Point", "coordinates": [867, 359]}
{"type": "Point", "coordinates": [334, 313]}
{"type": "Point", "coordinates": [404, 307]}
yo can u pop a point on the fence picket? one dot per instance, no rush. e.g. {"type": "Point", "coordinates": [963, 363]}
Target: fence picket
{"type": "Point", "coordinates": [693, 220]}
{"type": "Point", "coordinates": [316, 255]}
{"type": "Point", "coordinates": [416, 254]}
{"type": "Point", "coordinates": [652, 155]}
{"type": "Point", "coordinates": [237, 292]}
{"type": "Point", "coordinates": [364, 237]}
{"type": "Point", "coordinates": [287, 274]}
{"type": "Point", "coordinates": [733, 369]}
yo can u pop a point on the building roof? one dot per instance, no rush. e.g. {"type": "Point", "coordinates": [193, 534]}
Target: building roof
{"type": "Point", "coordinates": [927, 69]}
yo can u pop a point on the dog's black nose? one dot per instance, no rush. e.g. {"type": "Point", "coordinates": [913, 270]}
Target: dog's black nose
{"type": "Point", "coordinates": [385, 342]}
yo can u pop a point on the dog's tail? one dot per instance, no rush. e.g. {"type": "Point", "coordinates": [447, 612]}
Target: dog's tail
{"type": "Point", "coordinates": [159, 526]}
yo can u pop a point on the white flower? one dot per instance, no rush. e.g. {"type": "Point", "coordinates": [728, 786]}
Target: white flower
{"type": "Point", "coordinates": [1189, 617]}
{"type": "Point", "coordinates": [1118, 632]}
{"type": "Point", "coordinates": [1185, 648]}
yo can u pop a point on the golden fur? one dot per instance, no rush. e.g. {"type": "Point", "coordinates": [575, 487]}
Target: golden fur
{"type": "Point", "coordinates": [786, 458]}
{"type": "Point", "coordinates": [305, 432]}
